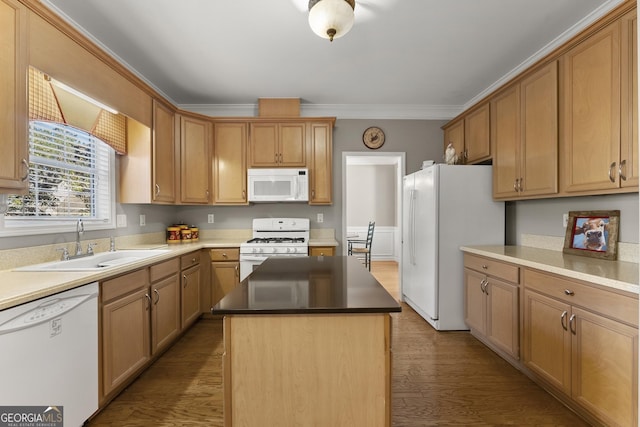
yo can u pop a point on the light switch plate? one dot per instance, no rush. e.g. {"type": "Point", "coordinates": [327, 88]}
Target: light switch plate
{"type": "Point", "coordinates": [210, 219]}
{"type": "Point", "coordinates": [565, 220]}
{"type": "Point", "coordinates": [121, 221]}
{"type": "Point", "coordinates": [143, 220]}
{"type": "Point", "coordinates": [320, 217]}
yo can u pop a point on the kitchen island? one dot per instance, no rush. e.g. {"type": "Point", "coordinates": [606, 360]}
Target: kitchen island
{"type": "Point", "coordinates": [307, 342]}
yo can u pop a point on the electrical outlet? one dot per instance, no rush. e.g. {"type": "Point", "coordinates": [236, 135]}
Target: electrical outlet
{"type": "Point", "coordinates": [210, 219]}
{"type": "Point", "coordinates": [143, 220]}
{"type": "Point", "coordinates": [320, 217]}
{"type": "Point", "coordinates": [121, 221]}
{"type": "Point", "coordinates": [565, 220]}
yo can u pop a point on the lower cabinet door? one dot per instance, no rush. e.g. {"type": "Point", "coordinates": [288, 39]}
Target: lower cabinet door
{"type": "Point", "coordinates": [165, 326]}
{"type": "Point", "coordinates": [125, 338]}
{"type": "Point", "coordinates": [502, 316]}
{"type": "Point", "coordinates": [474, 301]}
{"type": "Point", "coordinates": [605, 361]}
{"type": "Point", "coordinates": [225, 277]}
{"type": "Point", "coordinates": [547, 340]}
{"type": "Point", "coordinates": [190, 295]}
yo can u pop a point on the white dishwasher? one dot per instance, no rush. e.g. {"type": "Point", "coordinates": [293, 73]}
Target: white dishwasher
{"type": "Point", "coordinates": [49, 358]}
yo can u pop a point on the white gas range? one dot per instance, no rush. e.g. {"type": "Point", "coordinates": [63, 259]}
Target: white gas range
{"type": "Point", "coordinates": [286, 237]}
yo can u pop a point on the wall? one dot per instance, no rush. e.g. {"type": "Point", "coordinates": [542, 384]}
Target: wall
{"type": "Point", "coordinates": [372, 195]}
{"type": "Point", "coordinates": [544, 217]}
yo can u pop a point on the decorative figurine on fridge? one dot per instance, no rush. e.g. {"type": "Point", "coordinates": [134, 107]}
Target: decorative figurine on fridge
{"type": "Point", "coordinates": [450, 156]}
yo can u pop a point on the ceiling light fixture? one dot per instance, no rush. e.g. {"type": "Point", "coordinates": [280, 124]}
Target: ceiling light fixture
{"type": "Point", "coordinates": [331, 19]}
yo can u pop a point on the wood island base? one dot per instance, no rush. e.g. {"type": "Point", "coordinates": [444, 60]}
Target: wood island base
{"type": "Point", "coordinates": [317, 369]}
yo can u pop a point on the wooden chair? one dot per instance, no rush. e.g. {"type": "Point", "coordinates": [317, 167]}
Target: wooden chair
{"type": "Point", "coordinates": [363, 252]}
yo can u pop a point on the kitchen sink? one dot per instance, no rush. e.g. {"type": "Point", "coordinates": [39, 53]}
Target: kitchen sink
{"type": "Point", "coordinates": [98, 262]}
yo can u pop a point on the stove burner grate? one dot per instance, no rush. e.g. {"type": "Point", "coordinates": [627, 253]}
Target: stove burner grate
{"type": "Point", "coordinates": [276, 240]}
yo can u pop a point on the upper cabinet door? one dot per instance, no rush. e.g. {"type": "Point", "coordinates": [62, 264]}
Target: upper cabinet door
{"type": "Point", "coordinates": [454, 135]}
{"type": "Point", "coordinates": [591, 137]}
{"type": "Point", "coordinates": [277, 145]}
{"type": "Point", "coordinates": [628, 168]}
{"type": "Point", "coordinates": [195, 162]}
{"type": "Point", "coordinates": [539, 132]}
{"type": "Point", "coordinates": [14, 143]}
{"type": "Point", "coordinates": [320, 172]}
{"type": "Point", "coordinates": [477, 144]}
{"type": "Point", "coordinates": [163, 154]}
{"type": "Point", "coordinates": [229, 163]}
{"type": "Point", "coordinates": [505, 135]}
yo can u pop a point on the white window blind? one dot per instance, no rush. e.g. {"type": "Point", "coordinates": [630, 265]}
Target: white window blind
{"type": "Point", "coordinates": [69, 178]}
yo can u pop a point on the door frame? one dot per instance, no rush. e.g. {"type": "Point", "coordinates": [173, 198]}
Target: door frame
{"type": "Point", "coordinates": [374, 158]}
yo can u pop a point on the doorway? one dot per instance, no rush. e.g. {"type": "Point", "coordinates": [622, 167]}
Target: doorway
{"type": "Point", "coordinates": [372, 191]}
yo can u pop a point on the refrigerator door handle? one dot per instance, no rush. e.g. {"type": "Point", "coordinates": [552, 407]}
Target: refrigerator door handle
{"type": "Point", "coordinates": [413, 227]}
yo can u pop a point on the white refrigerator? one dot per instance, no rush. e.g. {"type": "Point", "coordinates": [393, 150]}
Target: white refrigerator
{"type": "Point", "coordinates": [445, 207]}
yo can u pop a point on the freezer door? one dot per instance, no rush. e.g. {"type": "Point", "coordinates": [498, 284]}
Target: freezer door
{"type": "Point", "coordinates": [426, 235]}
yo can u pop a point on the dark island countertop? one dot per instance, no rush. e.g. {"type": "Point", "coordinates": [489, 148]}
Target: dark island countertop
{"type": "Point", "coordinates": [307, 285]}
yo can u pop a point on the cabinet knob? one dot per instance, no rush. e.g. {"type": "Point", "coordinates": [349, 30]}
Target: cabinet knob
{"type": "Point", "coordinates": [224, 255]}
{"type": "Point", "coordinates": [569, 292]}
{"type": "Point", "coordinates": [485, 266]}
{"type": "Point", "coordinates": [193, 260]}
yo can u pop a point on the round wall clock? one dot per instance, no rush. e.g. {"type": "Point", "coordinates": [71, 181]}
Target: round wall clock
{"type": "Point", "coordinates": [373, 137]}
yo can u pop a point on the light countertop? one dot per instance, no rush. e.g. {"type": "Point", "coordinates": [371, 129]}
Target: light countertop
{"type": "Point", "coordinates": [614, 274]}
{"type": "Point", "coordinates": [19, 287]}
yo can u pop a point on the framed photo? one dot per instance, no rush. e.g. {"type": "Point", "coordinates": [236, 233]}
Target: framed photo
{"type": "Point", "coordinates": [593, 234]}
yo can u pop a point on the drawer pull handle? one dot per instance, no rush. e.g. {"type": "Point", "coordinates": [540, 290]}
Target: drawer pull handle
{"type": "Point", "coordinates": [569, 292]}
{"type": "Point", "coordinates": [621, 173]}
{"type": "Point", "coordinates": [572, 324]}
{"type": "Point", "coordinates": [611, 168]}
{"type": "Point", "coordinates": [148, 305]}
{"type": "Point", "coordinates": [563, 320]}
{"type": "Point", "coordinates": [184, 277]}
{"type": "Point", "coordinates": [224, 255]}
{"type": "Point", "coordinates": [193, 260]}
{"type": "Point", "coordinates": [155, 291]}
{"type": "Point", "coordinates": [482, 282]}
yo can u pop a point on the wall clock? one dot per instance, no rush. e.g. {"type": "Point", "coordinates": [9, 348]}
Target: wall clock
{"type": "Point", "coordinates": [373, 137]}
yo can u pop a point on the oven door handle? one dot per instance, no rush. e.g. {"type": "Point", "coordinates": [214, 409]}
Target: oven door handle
{"type": "Point", "coordinates": [252, 258]}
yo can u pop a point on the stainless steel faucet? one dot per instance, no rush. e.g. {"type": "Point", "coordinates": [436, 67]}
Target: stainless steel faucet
{"type": "Point", "coordinates": [79, 232]}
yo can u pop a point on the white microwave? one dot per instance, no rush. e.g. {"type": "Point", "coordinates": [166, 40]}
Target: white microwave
{"type": "Point", "coordinates": [278, 185]}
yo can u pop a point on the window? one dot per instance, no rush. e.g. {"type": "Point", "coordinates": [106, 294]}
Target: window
{"type": "Point", "coordinates": [70, 177]}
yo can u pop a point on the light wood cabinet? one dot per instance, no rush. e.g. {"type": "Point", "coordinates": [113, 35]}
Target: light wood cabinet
{"type": "Point", "coordinates": [190, 291]}
{"type": "Point", "coordinates": [583, 341]}
{"type": "Point", "coordinates": [454, 135]}
{"type": "Point", "coordinates": [164, 155]}
{"type": "Point", "coordinates": [322, 250]}
{"type": "Point", "coordinates": [165, 303]}
{"type": "Point", "coordinates": [628, 168]}
{"type": "Point", "coordinates": [524, 134]}
{"type": "Point", "coordinates": [470, 136]}
{"type": "Point", "coordinates": [492, 303]}
{"type": "Point", "coordinates": [125, 347]}
{"type": "Point", "coordinates": [595, 158]}
{"type": "Point", "coordinates": [230, 163]}
{"type": "Point", "coordinates": [225, 272]}
{"type": "Point", "coordinates": [195, 159]}
{"type": "Point", "coordinates": [14, 141]}
{"type": "Point", "coordinates": [277, 145]}
{"type": "Point", "coordinates": [321, 163]}
{"type": "Point", "coordinates": [477, 143]}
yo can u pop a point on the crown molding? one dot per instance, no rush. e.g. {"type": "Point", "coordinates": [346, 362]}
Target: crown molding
{"type": "Point", "coordinates": [340, 111]}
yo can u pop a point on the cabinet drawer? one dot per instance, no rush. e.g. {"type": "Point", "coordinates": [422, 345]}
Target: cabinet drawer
{"type": "Point", "coordinates": [123, 285]}
{"type": "Point", "coordinates": [164, 269]}
{"type": "Point", "coordinates": [189, 260]}
{"type": "Point", "coordinates": [321, 251]}
{"type": "Point", "coordinates": [225, 254]}
{"type": "Point", "coordinates": [607, 303]}
{"type": "Point", "coordinates": [492, 267]}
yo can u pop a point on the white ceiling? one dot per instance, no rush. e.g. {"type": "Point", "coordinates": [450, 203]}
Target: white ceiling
{"type": "Point", "coordinates": [402, 59]}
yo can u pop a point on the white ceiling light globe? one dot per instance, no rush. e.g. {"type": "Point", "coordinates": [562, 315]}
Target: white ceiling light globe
{"type": "Point", "coordinates": [331, 19]}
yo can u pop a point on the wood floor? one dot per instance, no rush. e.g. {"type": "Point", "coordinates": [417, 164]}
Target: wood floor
{"type": "Point", "coordinates": [439, 378]}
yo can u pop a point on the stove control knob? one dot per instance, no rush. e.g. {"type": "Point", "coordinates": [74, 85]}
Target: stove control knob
{"type": "Point", "coordinates": [254, 250]}
{"type": "Point", "coordinates": [272, 250]}
{"type": "Point", "coordinates": [288, 250]}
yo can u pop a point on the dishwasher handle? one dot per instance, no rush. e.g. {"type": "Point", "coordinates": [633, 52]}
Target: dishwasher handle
{"type": "Point", "coordinates": [47, 310]}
